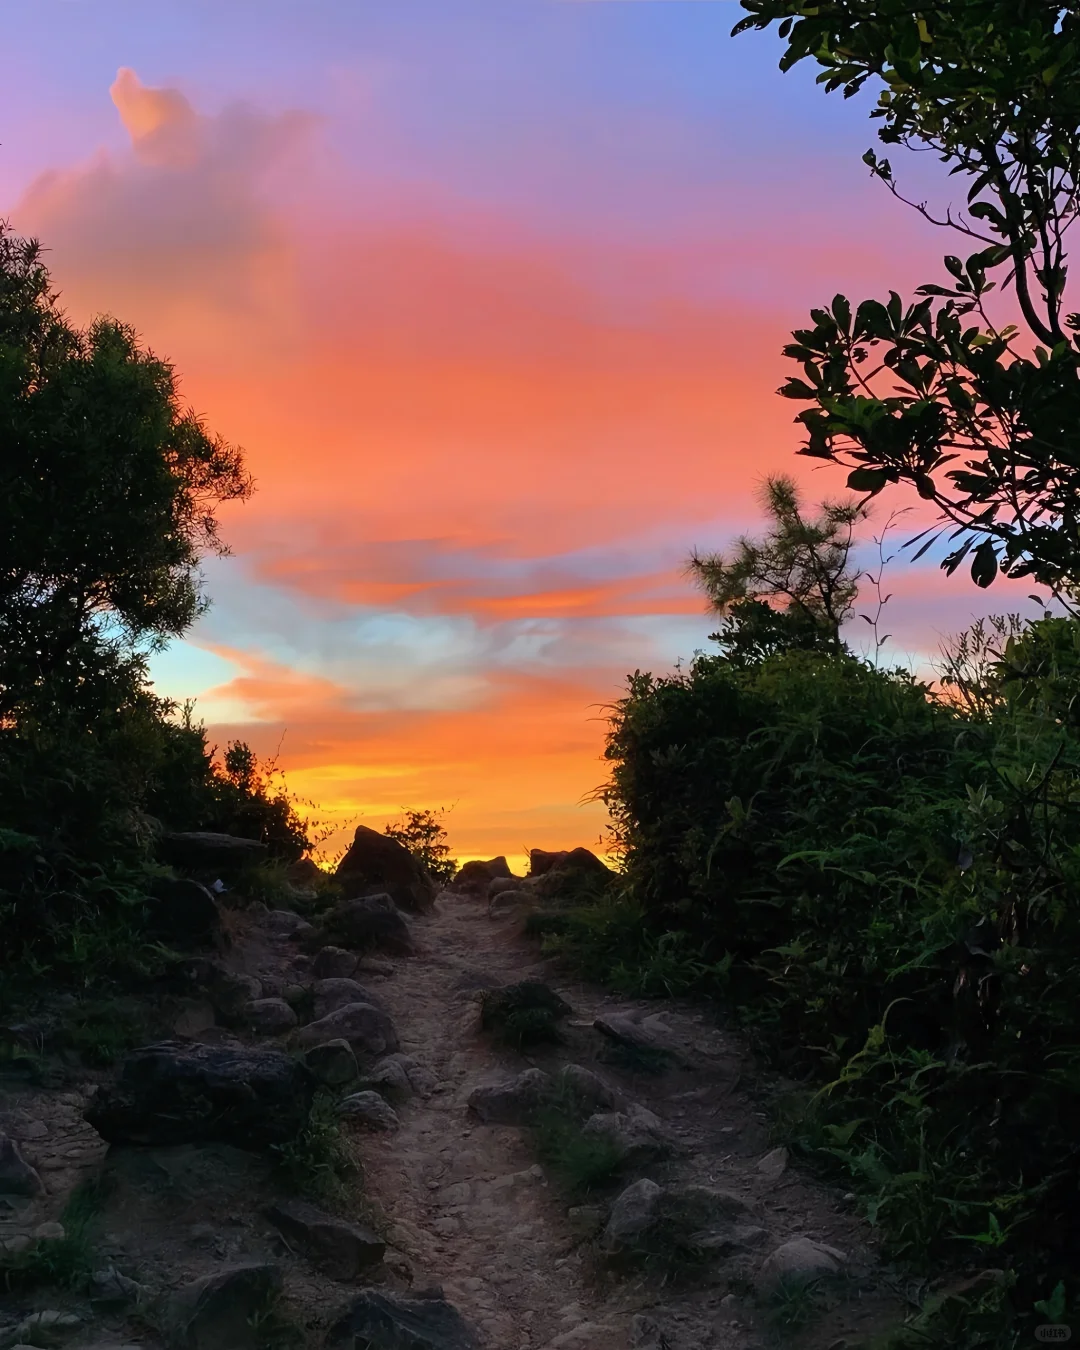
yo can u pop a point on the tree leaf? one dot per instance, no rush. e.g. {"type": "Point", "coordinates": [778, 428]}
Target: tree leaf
{"type": "Point", "coordinates": [867, 480]}
{"type": "Point", "coordinates": [984, 564]}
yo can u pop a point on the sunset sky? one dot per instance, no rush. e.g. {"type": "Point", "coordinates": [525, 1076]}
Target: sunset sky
{"type": "Point", "coordinates": [493, 294]}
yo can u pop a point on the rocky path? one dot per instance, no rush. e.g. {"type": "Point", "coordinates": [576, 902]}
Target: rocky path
{"type": "Point", "coordinates": [463, 1205]}
{"type": "Point", "coordinates": [474, 1211]}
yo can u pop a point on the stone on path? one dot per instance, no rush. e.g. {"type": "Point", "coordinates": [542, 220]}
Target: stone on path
{"type": "Point", "coordinates": [217, 1311]}
{"type": "Point", "coordinates": [661, 1221]}
{"type": "Point", "coordinates": [376, 860]}
{"type": "Point", "coordinates": [370, 923]}
{"type": "Point", "coordinates": [336, 992]}
{"type": "Point", "coordinates": [333, 1062]}
{"type": "Point", "coordinates": [370, 1110]}
{"type": "Point", "coordinates": [637, 1134]}
{"type": "Point", "coordinates": [269, 1016]}
{"type": "Point", "coordinates": [176, 1092]}
{"type": "Point", "coordinates": [774, 1164]}
{"type": "Point", "coordinates": [392, 1322]}
{"type": "Point", "coordinates": [796, 1262]}
{"type": "Point", "coordinates": [334, 963]}
{"type": "Point", "coordinates": [338, 1247]}
{"type": "Point", "coordinates": [516, 1102]}
{"type": "Point", "coordinates": [368, 1030]}
{"type": "Point", "coordinates": [182, 913]}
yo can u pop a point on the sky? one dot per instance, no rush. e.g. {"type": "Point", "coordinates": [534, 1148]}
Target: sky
{"type": "Point", "coordinates": [493, 294]}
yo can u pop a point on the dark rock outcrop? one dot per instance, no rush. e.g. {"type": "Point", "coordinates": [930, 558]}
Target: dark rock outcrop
{"type": "Point", "coordinates": [368, 1030]}
{"type": "Point", "coordinates": [395, 1323]}
{"type": "Point", "coordinates": [220, 1311]}
{"type": "Point", "coordinates": [371, 923]}
{"type": "Point", "coordinates": [337, 1247]}
{"type": "Point", "coordinates": [477, 875]}
{"type": "Point", "coordinates": [203, 850]}
{"type": "Point", "coordinates": [375, 862]}
{"type": "Point", "coordinates": [177, 1092]}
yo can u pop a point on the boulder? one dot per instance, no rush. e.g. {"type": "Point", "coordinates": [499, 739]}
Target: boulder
{"type": "Point", "coordinates": [516, 1102]}
{"type": "Point", "coordinates": [506, 902]}
{"type": "Point", "coordinates": [393, 1322]}
{"type": "Point", "coordinates": [370, 1110]}
{"type": "Point", "coordinates": [477, 875]}
{"type": "Point", "coordinates": [798, 1261]}
{"type": "Point", "coordinates": [368, 1030]}
{"type": "Point", "coordinates": [178, 1092]}
{"type": "Point", "coordinates": [17, 1177]}
{"type": "Point", "coordinates": [269, 1016]}
{"type": "Point", "coordinates": [286, 921]}
{"type": "Point", "coordinates": [774, 1164]}
{"type": "Point", "coordinates": [646, 1033]}
{"type": "Point", "coordinates": [333, 1063]}
{"type": "Point", "coordinates": [541, 861]}
{"type": "Point", "coordinates": [375, 861]}
{"type": "Point", "coordinates": [585, 1092]}
{"type": "Point", "coordinates": [337, 1247]}
{"type": "Point", "coordinates": [334, 993]}
{"type": "Point", "coordinates": [334, 963]}
{"type": "Point", "coordinates": [369, 923]}
{"type": "Point", "coordinates": [503, 885]}
{"type": "Point", "coordinates": [229, 991]}
{"type": "Point", "coordinates": [110, 1289]}
{"type": "Point", "coordinates": [675, 1222]}
{"type": "Point", "coordinates": [182, 913]}
{"type": "Point", "coordinates": [389, 1078]}
{"type": "Point", "coordinates": [220, 1311]}
{"type": "Point", "coordinates": [204, 851]}
{"type": "Point", "coordinates": [305, 872]}
{"type": "Point", "coordinates": [636, 1133]}
{"type": "Point", "coordinates": [51, 1326]}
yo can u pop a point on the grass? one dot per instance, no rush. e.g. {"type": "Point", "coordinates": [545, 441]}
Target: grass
{"type": "Point", "coordinates": [315, 1163]}
{"type": "Point", "coordinates": [100, 1030]}
{"type": "Point", "coordinates": [794, 1305]}
{"type": "Point", "coordinates": [62, 1263]}
{"type": "Point", "coordinates": [581, 1163]}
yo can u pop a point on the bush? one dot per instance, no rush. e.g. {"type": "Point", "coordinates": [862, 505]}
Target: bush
{"type": "Point", "coordinates": [882, 881]}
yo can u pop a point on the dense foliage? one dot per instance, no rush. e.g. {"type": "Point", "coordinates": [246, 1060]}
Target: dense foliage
{"type": "Point", "coordinates": [881, 880]}
{"type": "Point", "coordinates": [108, 491]}
{"type": "Point", "coordinates": [977, 414]}
{"type": "Point", "coordinates": [424, 835]}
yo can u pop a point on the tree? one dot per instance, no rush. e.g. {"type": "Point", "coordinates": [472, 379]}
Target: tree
{"type": "Point", "coordinates": [424, 835]}
{"type": "Point", "coordinates": [982, 418]}
{"type": "Point", "coordinates": [108, 493]}
{"type": "Point", "coordinates": [796, 585]}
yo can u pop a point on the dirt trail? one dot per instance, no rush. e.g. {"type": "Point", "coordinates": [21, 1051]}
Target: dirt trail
{"type": "Point", "coordinates": [474, 1212]}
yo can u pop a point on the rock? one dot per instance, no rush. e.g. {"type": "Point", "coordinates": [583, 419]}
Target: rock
{"type": "Point", "coordinates": [506, 902]}
{"type": "Point", "coordinates": [374, 860]}
{"type": "Point", "coordinates": [230, 992]}
{"type": "Point", "coordinates": [217, 1311]}
{"type": "Point", "coordinates": [368, 1030]}
{"type": "Point", "coordinates": [269, 1016]}
{"type": "Point", "coordinates": [502, 885]}
{"type": "Point", "coordinates": [421, 1079]}
{"type": "Point", "coordinates": [48, 1327]}
{"type": "Point", "coordinates": [516, 1102]}
{"type": "Point", "coordinates": [476, 875]}
{"type": "Point", "coordinates": [373, 965]}
{"type": "Point", "coordinates": [689, 1221]}
{"type": "Point", "coordinates": [332, 994]}
{"type": "Point", "coordinates": [181, 1093]}
{"type": "Point", "coordinates": [52, 1230]}
{"type": "Point", "coordinates": [367, 923]}
{"type": "Point", "coordinates": [523, 1014]}
{"type": "Point", "coordinates": [305, 872]}
{"type": "Point", "coordinates": [370, 1110]}
{"type": "Point", "coordinates": [285, 921]}
{"type": "Point", "coordinates": [798, 1261]}
{"type": "Point", "coordinates": [774, 1164]}
{"type": "Point", "coordinates": [333, 1063]}
{"type": "Point", "coordinates": [541, 861]}
{"type": "Point", "coordinates": [110, 1289]}
{"type": "Point", "coordinates": [334, 963]}
{"type": "Point", "coordinates": [337, 1247]}
{"type": "Point", "coordinates": [638, 1135]}
{"type": "Point", "coordinates": [647, 1033]}
{"type": "Point", "coordinates": [17, 1177]}
{"type": "Point", "coordinates": [586, 1092]}
{"type": "Point", "coordinates": [201, 850]}
{"type": "Point", "coordinates": [389, 1079]}
{"type": "Point", "coordinates": [182, 913]}
{"type": "Point", "coordinates": [392, 1322]}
